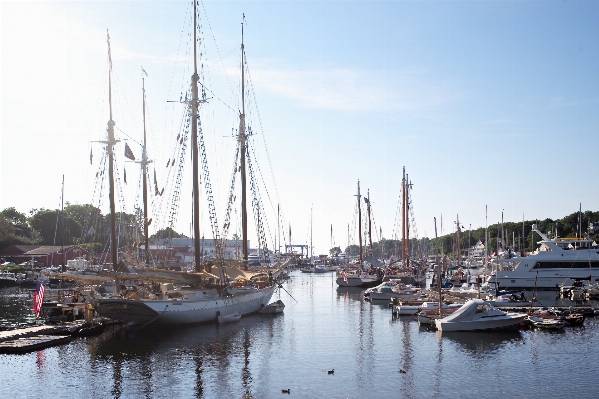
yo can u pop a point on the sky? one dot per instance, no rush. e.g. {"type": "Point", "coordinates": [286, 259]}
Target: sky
{"type": "Point", "coordinates": [487, 104]}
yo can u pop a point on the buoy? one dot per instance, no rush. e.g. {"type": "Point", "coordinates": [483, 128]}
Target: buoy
{"type": "Point", "coordinates": [331, 371]}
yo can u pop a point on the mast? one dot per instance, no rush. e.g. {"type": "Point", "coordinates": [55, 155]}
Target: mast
{"type": "Point", "coordinates": [242, 147]}
{"type": "Point", "coordinates": [64, 256]}
{"type": "Point", "coordinates": [109, 144]}
{"type": "Point", "coordinates": [360, 224]}
{"type": "Point", "coordinates": [194, 150]}
{"type": "Point", "coordinates": [311, 254]}
{"type": "Point", "coordinates": [367, 200]}
{"type": "Point", "coordinates": [403, 219]}
{"type": "Point", "coordinates": [144, 163]}
{"type": "Point", "coordinates": [459, 239]}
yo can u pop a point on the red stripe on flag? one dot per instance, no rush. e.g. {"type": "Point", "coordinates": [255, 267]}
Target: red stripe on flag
{"type": "Point", "coordinates": [38, 298]}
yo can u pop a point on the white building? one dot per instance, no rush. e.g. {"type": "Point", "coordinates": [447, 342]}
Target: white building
{"type": "Point", "coordinates": [185, 251]}
{"type": "Point", "coordinates": [478, 250]}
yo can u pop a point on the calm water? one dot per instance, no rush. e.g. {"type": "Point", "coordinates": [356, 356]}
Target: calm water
{"type": "Point", "coordinates": [328, 328]}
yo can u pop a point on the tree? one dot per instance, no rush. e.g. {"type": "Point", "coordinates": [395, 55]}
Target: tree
{"type": "Point", "coordinates": [15, 217]}
{"type": "Point", "coordinates": [53, 229]}
{"type": "Point", "coordinates": [335, 251]}
{"type": "Point", "coordinates": [167, 233]}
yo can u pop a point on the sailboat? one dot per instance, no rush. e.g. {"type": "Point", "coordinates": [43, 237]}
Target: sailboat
{"type": "Point", "coordinates": [359, 277]}
{"type": "Point", "coordinates": [200, 304]}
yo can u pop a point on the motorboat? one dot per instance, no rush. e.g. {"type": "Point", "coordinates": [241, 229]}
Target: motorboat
{"type": "Point", "coordinates": [357, 278]}
{"type": "Point", "coordinates": [393, 289]}
{"type": "Point", "coordinates": [548, 324]}
{"type": "Point", "coordinates": [8, 279]}
{"type": "Point", "coordinates": [557, 262]}
{"type": "Point", "coordinates": [425, 306]}
{"type": "Point", "coordinates": [508, 301]}
{"type": "Point", "coordinates": [273, 308]}
{"type": "Point", "coordinates": [477, 314]}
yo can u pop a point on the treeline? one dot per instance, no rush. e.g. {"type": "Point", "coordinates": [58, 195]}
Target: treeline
{"type": "Point", "coordinates": [517, 236]}
{"type": "Point", "coordinates": [84, 225]}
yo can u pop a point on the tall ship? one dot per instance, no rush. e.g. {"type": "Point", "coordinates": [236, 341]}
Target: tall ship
{"type": "Point", "coordinates": [212, 301]}
{"type": "Point", "coordinates": [557, 262]}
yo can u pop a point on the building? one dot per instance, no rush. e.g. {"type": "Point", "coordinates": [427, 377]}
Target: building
{"type": "Point", "coordinates": [184, 251]}
{"type": "Point", "coordinates": [46, 255]}
{"type": "Point", "coordinates": [478, 250]}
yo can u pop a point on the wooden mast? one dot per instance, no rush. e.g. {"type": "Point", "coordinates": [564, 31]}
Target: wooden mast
{"type": "Point", "coordinates": [360, 225]}
{"type": "Point", "coordinates": [241, 137]}
{"type": "Point", "coordinates": [367, 200]}
{"type": "Point", "coordinates": [194, 151]}
{"type": "Point", "coordinates": [109, 144]}
{"type": "Point", "coordinates": [144, 166]}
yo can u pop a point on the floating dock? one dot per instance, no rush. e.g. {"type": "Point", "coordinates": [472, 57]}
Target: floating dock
{"type": "Point", "coordinates": [29, 339]}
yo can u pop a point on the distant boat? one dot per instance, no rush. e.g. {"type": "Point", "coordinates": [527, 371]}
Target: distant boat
{"type": "Point", "coordinates": [558, 262]}
{"type": "Point", "coordinates": [8, 279]}
{"type": "Point", "coordinates": [359, 277]}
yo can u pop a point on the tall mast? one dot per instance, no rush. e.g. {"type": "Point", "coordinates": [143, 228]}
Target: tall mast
{"type": "Point", "coordinates": [367, 200]}
{"type": "Point", "coordinates": [407, 221]}
{"type": "Point", "coordinates": [194, 150]}
{"type": "Point", "coordinates": [311, 248]}
{"type": "Point", "coordinates": [360, 224]}
{"type": "Point", "coordinates": [459, 239]}
{"type": "Point", "coordinates": [144, 166]}
{"type": "Point", "coordinates": [64, 256]}
{"type": "Point", "coordinates": [242, 144]}
{"type": "Point", "coordinates": [403, 219]}
{"type": "Point", "coordinates": [109, 144]}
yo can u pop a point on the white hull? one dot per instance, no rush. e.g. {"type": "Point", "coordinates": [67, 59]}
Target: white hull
{"type": "Point", "coordinates": [478, 315]}
{"type": "Point", "coordinates": [511, 320]}
{"type": "Point", "coordinates": [182, 311]}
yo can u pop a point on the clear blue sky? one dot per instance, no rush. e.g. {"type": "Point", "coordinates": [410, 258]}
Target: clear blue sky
{"type": "Point", "coordinates": [485, 103]}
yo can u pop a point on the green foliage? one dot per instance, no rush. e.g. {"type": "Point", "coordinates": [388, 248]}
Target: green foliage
{"type": "Point", "coordinates": [335, 251]}
{"type": "Point", "coordinates": [167, 233]}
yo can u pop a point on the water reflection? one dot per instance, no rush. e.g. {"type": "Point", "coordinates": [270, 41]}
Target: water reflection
{"type": "Point", "coordinates": [481, 344]}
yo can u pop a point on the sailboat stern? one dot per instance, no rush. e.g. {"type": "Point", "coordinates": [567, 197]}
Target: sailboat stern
{"type": "Point", "coordinates": [125, 310]}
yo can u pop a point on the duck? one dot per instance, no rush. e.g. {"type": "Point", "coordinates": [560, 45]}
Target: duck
{"type": "Point", "coordinates": [286, 390]}
{"type": "Point", "coordinates": [402, 371]}
{"type": "Point", "coordinates": [332, 371]}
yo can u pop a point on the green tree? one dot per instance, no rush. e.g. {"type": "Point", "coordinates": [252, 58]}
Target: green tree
{"type": "Point", "coordinates": [167, 233]}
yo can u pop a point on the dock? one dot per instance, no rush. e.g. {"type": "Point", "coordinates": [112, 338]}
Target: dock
{"type": "Point", "coordinates": [30, 339]}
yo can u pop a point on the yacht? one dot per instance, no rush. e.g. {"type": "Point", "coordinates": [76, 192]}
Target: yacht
{"type": "Point", "coordinates": [558, 262]}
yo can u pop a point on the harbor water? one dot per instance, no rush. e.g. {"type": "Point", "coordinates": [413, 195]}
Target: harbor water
{"type": "Point", "coordinates": [371, 354]}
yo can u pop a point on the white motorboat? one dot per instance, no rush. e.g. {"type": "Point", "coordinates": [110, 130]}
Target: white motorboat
{"type": "Point", "coordinates": [477, 314]}
{"type": "Point", "coordinates": [558, 262]}
{"type": "Point", "coordinates": [388, 290]}
{"type": "Point", "coordinates": [508, 301]}
{"type": "Point", "coordinates": [273, 308]}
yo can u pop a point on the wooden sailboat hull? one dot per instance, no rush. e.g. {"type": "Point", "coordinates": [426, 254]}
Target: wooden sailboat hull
{"type": "Point", "coordinates": [182, 311]}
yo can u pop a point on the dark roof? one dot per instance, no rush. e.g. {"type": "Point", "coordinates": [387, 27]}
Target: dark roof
{"type": "Point", "coordinates": [43, 249]}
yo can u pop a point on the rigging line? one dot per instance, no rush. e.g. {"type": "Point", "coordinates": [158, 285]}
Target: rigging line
{"type": "Point", "coordinates": [261, 129]}
{"type": "Point", "coordinates": [131, 138]}
{"type": "Point", "coordinates": [218, 50]}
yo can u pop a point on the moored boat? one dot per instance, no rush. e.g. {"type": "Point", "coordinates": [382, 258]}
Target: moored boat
{"type": "Point", "coordinates": [477, 314]}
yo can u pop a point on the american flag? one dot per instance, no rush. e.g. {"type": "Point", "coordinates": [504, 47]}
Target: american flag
{"type": "Point", "coordinates": [38, 298]}
{"type": "Point", "coordinates": [344, 276]}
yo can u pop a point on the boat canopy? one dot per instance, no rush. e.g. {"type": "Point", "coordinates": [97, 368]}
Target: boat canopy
{"type": "Point", "coordinates": [467, 311]}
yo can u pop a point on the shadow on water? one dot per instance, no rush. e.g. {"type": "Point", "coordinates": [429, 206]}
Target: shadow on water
{"type": "Point", "coordinates": [481, 344]}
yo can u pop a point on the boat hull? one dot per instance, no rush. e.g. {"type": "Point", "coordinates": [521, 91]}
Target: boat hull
{"type": "Point", "coordinates": [185, 311]}
{"type": "Point", "coordinates": [359, 281]}
{"type": "Point", "coordinates": [511, 320]}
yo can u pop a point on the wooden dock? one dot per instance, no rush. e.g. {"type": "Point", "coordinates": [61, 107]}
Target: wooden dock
{"type": "Point", "coordinates": [29, 339]}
